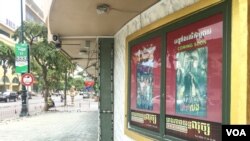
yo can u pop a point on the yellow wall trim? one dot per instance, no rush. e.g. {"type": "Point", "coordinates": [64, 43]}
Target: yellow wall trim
{"type": "Point", "coordinates": [248, 46]}
{"type": "Point", "coordinates": [239, 56]}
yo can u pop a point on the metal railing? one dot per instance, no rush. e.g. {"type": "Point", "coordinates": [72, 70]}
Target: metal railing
{"type": "Point", "coordinates": [13, 112]}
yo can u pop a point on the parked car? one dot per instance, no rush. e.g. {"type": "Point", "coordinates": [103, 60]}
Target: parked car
{"type": "Point", "coordinates": [8, 95]}
{"type": "Point", "coordinates": [57, 93]}
{"type": "Point", "coordinates": [29, 94]}
{"type": "Point", "coordinates": [85, 95]}
{"type": "Point", "coordinates": [81, 92]}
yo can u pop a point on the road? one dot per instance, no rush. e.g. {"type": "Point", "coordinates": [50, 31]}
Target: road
{"type": "Point", "coordinates": [35, 99]}
{"type": "Point", "coordinates": [36, 104]}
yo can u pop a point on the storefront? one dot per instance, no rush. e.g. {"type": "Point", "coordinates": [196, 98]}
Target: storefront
{"type": "Point", "coordinates": [180, 74]}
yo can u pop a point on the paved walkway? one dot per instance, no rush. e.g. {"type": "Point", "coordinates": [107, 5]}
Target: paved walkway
{"type": "Point", "coordinates": [52, 126]}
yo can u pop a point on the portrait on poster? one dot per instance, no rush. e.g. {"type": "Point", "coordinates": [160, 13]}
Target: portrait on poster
{"type": "Point", "coordinates": [145, 75]}
{"type": "Point", "coordinates": [191, 82]}
{"type": "Point", "coordinates": [145, 72]}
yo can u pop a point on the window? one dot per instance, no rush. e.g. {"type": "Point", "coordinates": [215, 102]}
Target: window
{"type": "Point", "coordinates": [145, 82]}
{"type": "Point", "coordinates": [5, 79]}
{"type": "Point", "coordinates": [194, 81]}
{"type": "Point", "coordinates": [15, 80]}
{"type": "Point", "coordinates": [4, 33]}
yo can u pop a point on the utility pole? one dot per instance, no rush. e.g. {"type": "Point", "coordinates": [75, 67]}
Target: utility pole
{"type": "Point", "coordinates": [24, 110]}
{"type": "Point", "coordinates": [65, 88]}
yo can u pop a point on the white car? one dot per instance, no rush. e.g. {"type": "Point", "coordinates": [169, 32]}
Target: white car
{"type": "Point", "coordinates": [8, 95]}
{"type": "Point", "coordinates": [81, 93]}
{"type": "Point", "coordinates": [85, 95]}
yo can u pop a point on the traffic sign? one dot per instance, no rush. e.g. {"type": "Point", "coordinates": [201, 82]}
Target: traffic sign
{"type": "Point", "coordinates": [27, 79]}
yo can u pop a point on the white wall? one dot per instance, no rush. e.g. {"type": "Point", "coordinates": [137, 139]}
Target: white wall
{"type": "Point", "coordinates": [161, 9]}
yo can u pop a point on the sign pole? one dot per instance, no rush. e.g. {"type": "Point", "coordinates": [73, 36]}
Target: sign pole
{"type": "Point", "coordinates": [24, 110]}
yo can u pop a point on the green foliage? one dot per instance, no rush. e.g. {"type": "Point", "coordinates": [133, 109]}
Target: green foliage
{"type": "Point", "coordinates": [96, 87]}
{"type": "Point", "coordinates": [79, 83]}
{"type": "Point", "coordinates": [47, 63]}
{"type": "Point", "coordinates": [32, 32]}
{"type": "Point", "coordinates": [7, 53]}
{"type": "Point", "coordinates": [70, 82]}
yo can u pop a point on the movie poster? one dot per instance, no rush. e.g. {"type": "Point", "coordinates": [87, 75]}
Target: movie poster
{"type": "Point", "coordinates": [145, 84]}
{"type": "Point", "coordinates": [145, 78]}
{"type": "Point", "coordinates": [194, 62]}
{"type": "Point", "coordinates": [191, 82]}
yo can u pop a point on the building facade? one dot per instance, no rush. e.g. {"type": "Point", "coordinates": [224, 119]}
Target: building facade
{"type": "Point", "coordinates": [10, 20]}
{"type": "Point", "coordinates": [133, 123]}
{"type": "Point", "coordinates": [180, 71]}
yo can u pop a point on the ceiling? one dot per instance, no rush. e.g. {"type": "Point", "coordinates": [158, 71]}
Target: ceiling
{"type": "Point", "coordinates": [79, 25]}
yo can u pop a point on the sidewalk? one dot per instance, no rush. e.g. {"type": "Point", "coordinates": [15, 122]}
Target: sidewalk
{"type": "Point", "coordinates": [52, 126]}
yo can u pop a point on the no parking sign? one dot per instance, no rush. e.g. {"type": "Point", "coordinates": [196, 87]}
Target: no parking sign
{"type": "Point", "coordinates": [27, 79]}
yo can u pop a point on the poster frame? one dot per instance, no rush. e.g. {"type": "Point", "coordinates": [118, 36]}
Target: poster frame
{"type": "Point", "coordinates": [131, 45]}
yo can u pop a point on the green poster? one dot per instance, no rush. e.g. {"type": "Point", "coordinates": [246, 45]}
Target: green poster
{"type": "Point", "coordinates": [21, 51]}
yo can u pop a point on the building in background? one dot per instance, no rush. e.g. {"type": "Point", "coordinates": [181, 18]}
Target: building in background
{"type": "Point", "coordinates": [10, 20]}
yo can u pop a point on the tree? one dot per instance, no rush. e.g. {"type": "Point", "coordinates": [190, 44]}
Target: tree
{"type": "Point", "coordinates": [78, 83]}
{"type": "Point", "coordinates": [48, 62]}
{"type": "Point", "coordinates": [7, 59]}
{"type": "Point", "coordinates": [96, 86]}
{"type": "Point", "coordinates": [7, 52]}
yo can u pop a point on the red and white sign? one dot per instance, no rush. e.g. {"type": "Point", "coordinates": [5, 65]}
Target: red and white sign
{"type": "Point", "coordinates": [27, 79]}
{"type": "Point", "coordinates": [89, 83]}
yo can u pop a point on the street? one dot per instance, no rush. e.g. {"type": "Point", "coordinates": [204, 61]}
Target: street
{"type": "Point", "coordinates": [35, 105]}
